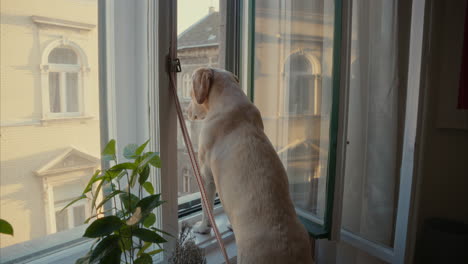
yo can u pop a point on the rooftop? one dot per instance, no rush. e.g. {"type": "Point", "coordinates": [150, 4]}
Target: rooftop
{"type": "Point", "coordinates": [205, 32]}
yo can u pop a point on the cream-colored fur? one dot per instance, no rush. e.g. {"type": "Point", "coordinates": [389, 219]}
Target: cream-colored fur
{"type": "Point", "coordinates": [238, 161]}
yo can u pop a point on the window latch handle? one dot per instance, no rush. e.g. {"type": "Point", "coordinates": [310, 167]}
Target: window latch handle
{"type": "Point", "coordinates": [175, 65]}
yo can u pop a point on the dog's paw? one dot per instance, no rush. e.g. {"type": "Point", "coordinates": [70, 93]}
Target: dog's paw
{"type": "Point", "coordinates": [201, 228]}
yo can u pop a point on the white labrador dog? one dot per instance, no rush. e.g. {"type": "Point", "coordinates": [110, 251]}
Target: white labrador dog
{"type": "Point", "coordinates": [238, 161]}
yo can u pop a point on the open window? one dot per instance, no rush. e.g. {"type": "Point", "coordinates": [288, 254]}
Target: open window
{"type": "Point", "coordinates": [295, 85]}
{"type": "Point", "coordinates": [329, 78]}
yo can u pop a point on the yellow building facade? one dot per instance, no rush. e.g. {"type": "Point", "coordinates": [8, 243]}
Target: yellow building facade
{"type": "Point", "coordinates": [50, 134]}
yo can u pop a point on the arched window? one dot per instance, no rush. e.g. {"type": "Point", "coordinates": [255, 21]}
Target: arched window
{"type": "Point", "coordinates": [64, 68]}
{"type": "Point", "coordinates": [300, 85]}
{"type": "Point", "coordinates": [64, 91]}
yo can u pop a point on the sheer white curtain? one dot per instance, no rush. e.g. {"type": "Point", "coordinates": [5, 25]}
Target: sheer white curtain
{"type": "Point", "coordinates": [54, 92]}
{"type": "Point", "coordinates": [371, 172]}
{"type": "Point", "coordinates": [373, 152]}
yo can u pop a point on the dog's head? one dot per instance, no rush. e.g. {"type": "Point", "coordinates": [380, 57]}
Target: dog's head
{"type": "Point", "coordinates": [202, 80]}
{"type": "Point", "coordinates": [208, 83]}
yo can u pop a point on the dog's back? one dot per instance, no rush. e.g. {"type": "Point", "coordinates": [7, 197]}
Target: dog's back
{"type": "Point", "coordinates": [253, 187]}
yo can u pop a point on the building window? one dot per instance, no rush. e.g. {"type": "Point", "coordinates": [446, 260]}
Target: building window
{"type": "Point", "coordinates": [186, 181]}
{"type": "Point", "coordinates": [64, 65]}
{"type": "Point", "coordinates": [300, 85]}
{"type": "Point", "coordinates": [74, 215]}
{"type": "Point", "coordinates": [186, 86]}
{"type": "Point", "coordinates": [63, 81]}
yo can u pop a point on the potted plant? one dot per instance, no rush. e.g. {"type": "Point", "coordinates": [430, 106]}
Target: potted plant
{"type": "Point", "coordinates": [186, 250]}
{"type": "Point", "coordinates": [124, 230]}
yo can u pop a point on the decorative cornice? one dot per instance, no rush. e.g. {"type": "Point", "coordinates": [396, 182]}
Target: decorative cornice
{"type": "Point", "coordinates": [40, 20]}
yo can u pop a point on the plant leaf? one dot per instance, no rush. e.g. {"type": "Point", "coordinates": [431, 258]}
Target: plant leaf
{"type": "Point", "coordinates": [123, 166]}
{"type": "Point", "coordinates": [114, 257]}
{"type": "Point", "coordinates": [145, 246]}
{"type": "Point", "coordinates": [148, 158]}
{"type": "Point", "coordinates": [129, 201]}
{"type": "Point", "coordinates": [148, 187]}
{"type": "Point", "coordinates": [160, 231]}
{"type": "Point", "coordinates": [5, 227]}
{"type": "Point", "coordinates": [110, 175]}
{"type": "Point", "coordinates": [96, 215]}
{"type": "Point", "coordinates": [156, 161]}
{"type": "Point", "coordinates": [144, 259]}
{"type": "Point", "coordinates": [96, 194]}
{"type": "Point", "coordinates": [148, 235]}
{"type": "Point", "coordinates": [154, 252]}
{"type": "Point", "coordinates": [74, 201]}
{"type": "Point", "coordinates": [129, 151]}
{"type": "Point", "coordinates": [108, 197]}
{"type": "Point", "coordinates": [144, 174]}
{"type": "Point", "coordinates": [104, 248]}
{"type": "Point", "coordinates": [133, 178]}
{"type": "Point", "coordinates": [109, 151]}
{"type": "Point", "coordinates": [89, 187]}
{"type": "Point", "coordinates": [148, 204]}
{"type": "Point", "coordinates": [126, 237]}
{"type": "Point", "coordinates": [149, 220]}
{"type": "Point", "coordinates": [103, 226]}
{"type": "Point", "coordinates": [142, 147]}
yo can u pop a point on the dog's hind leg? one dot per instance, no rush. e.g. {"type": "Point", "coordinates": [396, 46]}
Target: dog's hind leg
{"type": "Point", "coordinates": [204, 227]}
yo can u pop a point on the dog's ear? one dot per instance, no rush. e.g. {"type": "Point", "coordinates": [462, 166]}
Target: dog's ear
{"type": "Point", "coordinates": [202, 84]}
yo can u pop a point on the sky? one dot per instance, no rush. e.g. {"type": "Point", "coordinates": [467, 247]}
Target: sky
{"type": "Point", "coordinates": [190, 11]}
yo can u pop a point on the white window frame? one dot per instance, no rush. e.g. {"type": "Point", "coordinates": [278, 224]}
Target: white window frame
{"type": "Point", "coordinates": [81, 68]}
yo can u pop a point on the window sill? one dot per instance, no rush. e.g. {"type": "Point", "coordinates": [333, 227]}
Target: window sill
{"type": "Point", "coordinates": [208, 242]}
{"type": "Point", "coordinates": [65, 119]}
{"type": "Point", "coordinates": [48, 249]}
{"type": "Point", "coordinates": [54, 249]}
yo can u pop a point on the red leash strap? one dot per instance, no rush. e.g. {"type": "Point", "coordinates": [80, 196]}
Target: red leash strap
{"type": "Point", "coordinates": [195, 166]}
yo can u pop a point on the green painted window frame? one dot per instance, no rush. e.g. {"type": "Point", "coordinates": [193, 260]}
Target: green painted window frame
{"type": "Point", "coordinates": [316, 230]}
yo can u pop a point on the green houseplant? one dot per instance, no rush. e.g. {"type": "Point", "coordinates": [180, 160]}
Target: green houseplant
{"type": "Point", "coordinates": [124, 231]}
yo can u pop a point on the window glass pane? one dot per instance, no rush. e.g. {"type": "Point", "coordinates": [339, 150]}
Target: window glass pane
{"type": "Point", "coordinates": [72, 91]}
{"type": "Point", "coordinates": [293, 91]}
{"type": "Point", "coordinates": [61, 220]}
{"type": "Point", "coordinates": [79, 215]}
{"type": "Point", "coordinates": [46, 157]}
{"type": "Point", "coordinates": [54, 92]}
{"type": "Point", "coordinates": [63, 56]}
{"type": "Point", "coordinates": [199, 43]}
{"type": "Point", "coordinates": [375, 124]}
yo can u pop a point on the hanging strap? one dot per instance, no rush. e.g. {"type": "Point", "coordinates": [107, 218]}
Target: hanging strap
{"type": "Point", "coordinates": [194, 161]}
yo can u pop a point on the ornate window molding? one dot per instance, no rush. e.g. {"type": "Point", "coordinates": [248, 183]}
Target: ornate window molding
{"type": "Point", "coordinates": [70, 167]}
{"type": "Point", "coordinates": [40, 20]}
{"type": "Point", "coordinates": [60, 72]}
